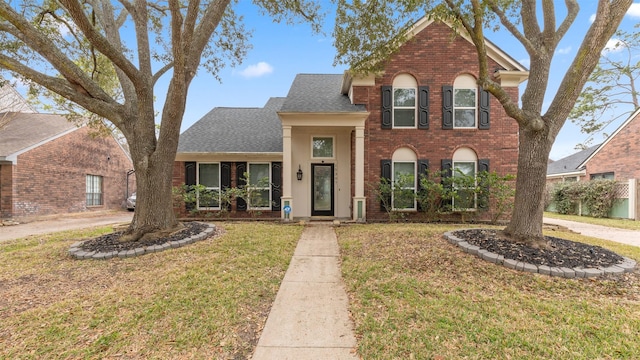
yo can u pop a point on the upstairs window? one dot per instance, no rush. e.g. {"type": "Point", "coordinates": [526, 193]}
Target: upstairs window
{"type": "Point", "coordinates": [465, 101]}
{"type": "Point", "coordinates": [405, 90]}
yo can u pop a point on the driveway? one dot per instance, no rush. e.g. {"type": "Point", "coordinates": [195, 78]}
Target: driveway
{"type": "Point", "coordinates": [629, 237]}
{"type": "Point", "coordinates": [63, 223]}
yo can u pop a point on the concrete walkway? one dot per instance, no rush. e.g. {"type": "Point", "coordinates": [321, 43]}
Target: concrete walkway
{"type": "Point", "coordinates": [309, 318]}
{"type": "Point", "coordinates": [629, 237]}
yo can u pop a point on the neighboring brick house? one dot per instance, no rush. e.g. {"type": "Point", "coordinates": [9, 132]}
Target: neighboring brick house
{"type": "Point", "coordinates": [619, 156]}
{"type": "Point", "coordinates": [48, 165]}
{"type": "Point", "coordinates": [334, 135]}
{"type": "Point", "coordinates": [570, 168]}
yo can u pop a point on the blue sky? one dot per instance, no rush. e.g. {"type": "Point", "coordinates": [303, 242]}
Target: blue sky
{"type": "Point", "coordinates": [281, 51]}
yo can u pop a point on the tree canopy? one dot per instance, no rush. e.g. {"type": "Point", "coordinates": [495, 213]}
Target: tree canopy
{"type": "Point", "coordinates": [107, 57]}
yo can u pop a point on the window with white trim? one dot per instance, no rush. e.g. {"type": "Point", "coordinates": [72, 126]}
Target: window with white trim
{"type": "Point", "coordinates": [465, 164]}
{"type": "Point", "coordinates": [209, 177]}
{"type": "Point", "coordinates": [403, 179]}
{"type": "Point", "coordinates": [259, 186]}
{"type": "Point", "coordinates": [465, 101]}
{"type": "Point", "coordinates": [94, 190]}
{"type": "Point", "coordinates": [322, 147]}
{"type": "Point", "coordinates": [405, 89]}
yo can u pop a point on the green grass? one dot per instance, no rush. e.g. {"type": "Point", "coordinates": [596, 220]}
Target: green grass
{"type": "Point", "coordinates": [616, 223]}
{"type": "Point", "coordinates": [415, 296]}
{"type": "Point", "coordinates": [208, 300]}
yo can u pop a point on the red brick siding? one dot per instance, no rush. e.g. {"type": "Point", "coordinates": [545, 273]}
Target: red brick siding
{"type": "Point", "coordinates": [51, 179]}
{"type": "Point", "coordinates": [6, 190]}
{"type": "Point", "coordinates": [621, 155]}
{"type": "Point", "coordinates": [434, 59]}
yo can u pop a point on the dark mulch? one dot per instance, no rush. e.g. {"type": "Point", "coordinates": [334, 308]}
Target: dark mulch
{"type": "Point", "coordinates": [563, 253]}
{"type": "Point", "coordinates": [110, 242]}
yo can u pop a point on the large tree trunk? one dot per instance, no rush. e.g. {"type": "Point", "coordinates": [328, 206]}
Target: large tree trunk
{"type": "Point", "coordinates": [154, 207]}
{"type": "Point", "coordinates": [526, 219]}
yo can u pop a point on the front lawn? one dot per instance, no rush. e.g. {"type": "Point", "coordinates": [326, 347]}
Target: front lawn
{"type": "Point", "coordinates": [208, 300]}
{"type": "Point", "coordinates": [616, 223]}
{"type": "Point", "coordinates": [415, 296]}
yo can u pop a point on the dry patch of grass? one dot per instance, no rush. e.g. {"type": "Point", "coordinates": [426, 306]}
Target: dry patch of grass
{"type": "Point", "coordinates": [415, 296]}
{"type": "Point", "coordinates": [615, 223]}
{"type": "Point", "coordinates": [208, 300]}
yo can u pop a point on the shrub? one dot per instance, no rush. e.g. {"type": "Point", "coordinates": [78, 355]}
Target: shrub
{"type": "Point", "coordinates": [599, 196]}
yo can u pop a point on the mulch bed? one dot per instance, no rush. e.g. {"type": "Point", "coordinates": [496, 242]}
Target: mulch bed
{"type": "Point", "coordinates": [563, 253]}
{"type": "Point", "coordinates": [111, 242]}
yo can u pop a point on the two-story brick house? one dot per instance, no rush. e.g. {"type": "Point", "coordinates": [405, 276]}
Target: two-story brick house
{"type": "Point", "coordinates": [334, 135]}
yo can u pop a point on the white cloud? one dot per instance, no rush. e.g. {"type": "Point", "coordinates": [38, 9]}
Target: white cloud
{"type": "Point", "coordinates": [525, 62]}
{"type": "Point", "coordinates": [634, 10]}
{"type": "Point", "coordinates": [257, 70]}
{"type": "Point", "coordinates": [613, 45]}
{"type": "Point", "coordinates": [565, 50]}
{"type": "Point", "coordinates": [592, 18]}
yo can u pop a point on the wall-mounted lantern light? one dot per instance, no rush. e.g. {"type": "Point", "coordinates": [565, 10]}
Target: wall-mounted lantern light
{"type": "Point", "coordinates": [299, 173]}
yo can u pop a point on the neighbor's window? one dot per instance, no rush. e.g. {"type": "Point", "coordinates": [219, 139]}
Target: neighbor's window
{"type": "Point", "coordinates": [322, 147]}
{"type": "Point", "coordinates": [94, 190]}
{"type": "Point", "coordinates": [404, 101]}
{"type": "Point", "coordinates": [259, 186]}
{"type": "Point", "coordinates": [464, 102]}
{"type": "Point", "coordinates": [209, 177]}
{"type": "Point", "coordinates": [607, 175]}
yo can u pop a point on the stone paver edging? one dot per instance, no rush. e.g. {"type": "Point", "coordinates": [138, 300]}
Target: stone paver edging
{"type": "Point", "coordinates": [626, 266]}
{"type": "Point", "coordinates": [76, 251]}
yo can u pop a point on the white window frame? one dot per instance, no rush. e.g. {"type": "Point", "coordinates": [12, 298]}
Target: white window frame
{"type": "Point", "coordinates": [91, 190]}
{"type": "Point", "coordinates": [333, 146]}
{"type": "Point", "coordinates": [475, 174]}
{"type": "Point", "coordinates": [465, 82]}
{"type": "Point", "coordinates": [218, 189]}
{"type": "Point", "coordinates": [393, 180]}
{"type": "Point", "coordinates": [268, 188]}
{"type": "Point", "coordinates": [404, 81]}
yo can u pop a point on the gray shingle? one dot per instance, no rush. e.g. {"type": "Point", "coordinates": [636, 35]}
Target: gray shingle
{"type": "Point", "coordinates": [318, 93]}
{"type": "Point", "coordinates": [23, 130]}
{"type": "Point", "coordinates": [236, 130]}
{"type": "Point", "coordinates": [571, 162]}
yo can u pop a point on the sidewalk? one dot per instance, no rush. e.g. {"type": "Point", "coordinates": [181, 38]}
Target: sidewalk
{"type": "Point", "coordinates": [629, 237]}
{"type": "Point", "coordinates": [309, 318]}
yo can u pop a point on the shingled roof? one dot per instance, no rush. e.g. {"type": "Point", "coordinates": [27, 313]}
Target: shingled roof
{"type": "Point", "coordinates": [318, 93]}
{"type": "Point", "coordinates": [23, 131]}
{"type": "Point", "coordinates": [258, 130]}
{"type": "Point", "coordinates": [570, 163]}
{"type": "Point", "coordinates": [223, 129]}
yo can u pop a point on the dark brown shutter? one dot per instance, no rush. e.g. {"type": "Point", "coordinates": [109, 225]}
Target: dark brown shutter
{"type": "Point", "coordinates": [423, 172]}
{"type": "Point", "coordinates": [446, 166]}
{"type": "Point", "coordinates": [483, 199]}
{"type": "Point", "coordinates": [483, 116]}
{"type": "Point", "coordinates": [241, 168]}
{"type": "Point", "coordinates": [385, 173]}
{"type": "Point", "coordinates": [447, 107]}
{"type": "Point", "coordinates": [387, 106]}
{"type": "Point", "coordinates": [190, 180]}
{"type": "Point", "coordinates": [225, 178]}
{"type": "Point", "coordinates": [276, 185]}
{"type": "Point", "coordinates": [423, 107]}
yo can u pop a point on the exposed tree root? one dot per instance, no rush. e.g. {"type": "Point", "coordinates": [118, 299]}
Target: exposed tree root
{"type": "Point", "coordinates": [536, 242]}
{"type": "Point", "coordinates": [149, 233]}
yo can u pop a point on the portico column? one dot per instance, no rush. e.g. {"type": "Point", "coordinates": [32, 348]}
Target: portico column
{"type": "Point", "coordinates": [287, 199]}
{"type": "Point", "coordinates": [359, 201]}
